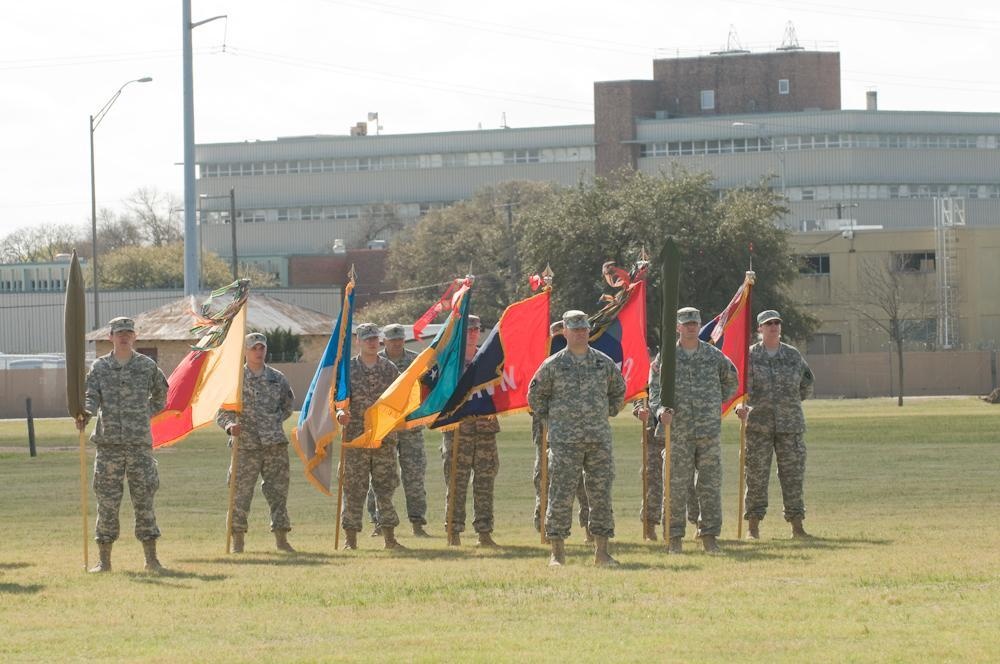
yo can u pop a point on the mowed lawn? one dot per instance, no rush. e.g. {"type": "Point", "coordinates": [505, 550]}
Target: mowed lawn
{"type": "Point", "coordinates": [905, 566]}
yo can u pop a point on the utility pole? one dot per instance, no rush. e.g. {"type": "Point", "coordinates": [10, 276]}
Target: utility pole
{"type": "Point", "coordinates": [839, 207]}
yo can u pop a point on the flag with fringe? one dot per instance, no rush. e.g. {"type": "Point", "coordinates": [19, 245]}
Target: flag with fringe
{"type": "Point", "coordinates": [496, 382]}
{"type": "Point", "coordinates": [329, 390]}
{"type": "Point", "coordinates": [730, 333]}
{"type": "Point", "coordinates": [417, 395]}
{"type": "Point", "coordinates": [210, 376]}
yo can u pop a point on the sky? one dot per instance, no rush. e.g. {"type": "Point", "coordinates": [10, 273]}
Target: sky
{"type": "Point", "coordinates": [303, 67]}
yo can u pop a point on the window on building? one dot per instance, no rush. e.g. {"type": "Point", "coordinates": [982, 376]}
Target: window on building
{"type": "Point", "coordinates": [824, 344]}
{"type": "Point", "coordinates": [913, 261]}
{"type": "Point", "coordinates": [783, 86]}
{"type": "Point", "coordinates": [814, 264]}
{"type": "Point", "coordinates": [921, 330]}
{"type": "Point", "coordinates": [707, 100]}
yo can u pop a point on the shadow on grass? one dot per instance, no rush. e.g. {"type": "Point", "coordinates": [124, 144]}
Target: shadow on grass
{"type": "Point", "coordinates": [18, 589]}
{"type": "Point", "coordinates": [15, 565]}
{"type": "Point", "coordinates": [298, 559]}
{"type": "Point", "coordinates": [168, 576]}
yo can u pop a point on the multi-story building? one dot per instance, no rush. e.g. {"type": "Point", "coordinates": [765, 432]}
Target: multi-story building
{"type": "Point", "coordinates": [856, 181]}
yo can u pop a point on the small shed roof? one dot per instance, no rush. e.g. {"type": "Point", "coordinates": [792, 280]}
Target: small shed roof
{"type": "Point", "coordinates": [173, 321]}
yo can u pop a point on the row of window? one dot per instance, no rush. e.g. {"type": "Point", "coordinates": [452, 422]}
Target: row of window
{"type": "Point", "coordinates": [819, 142]}
{"type": "Point", "coordinates": [891, 191]}
{"type": "Point", "coordinates": [401, 162]}
{"type": "Point", "coordinates": [13, 285]}
{"type": "Point", "coordinates": [901, 261]}
{"type": "Point", "coordinates": [402, 211]}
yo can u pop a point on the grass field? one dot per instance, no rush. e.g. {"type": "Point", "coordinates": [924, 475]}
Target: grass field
{"type": "Point", "coordinates": [905, 566]}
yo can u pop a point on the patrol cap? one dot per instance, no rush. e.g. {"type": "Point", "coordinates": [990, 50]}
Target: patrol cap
{"type": "Point", "coordinates": [121, 323]}
{"type": "Point", "coordinates": [574, 319]}
{"type": "Point", "coordinates": [556, 328]}
{"type": "Point", "coordinates": [366, 331]}
{"type": "Point", "coordinates": [393, 331]}
{"type": "Point", "coordinates": [474, 322]}
{"type": "Point", "coordinates": [253, 339]}
{"type": "Point", "coordinates": [688, 315]}
{"type": "Point", "coordinates": [765, 316]}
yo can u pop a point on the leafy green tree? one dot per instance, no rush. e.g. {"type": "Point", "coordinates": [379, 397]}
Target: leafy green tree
{"type": "Point", "coordinates": [576, 230]}
{"type": "Point", "coordinates": [283, 345]}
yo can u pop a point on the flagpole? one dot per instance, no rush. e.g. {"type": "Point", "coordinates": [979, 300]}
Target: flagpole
{"type": "Point", "coordinates": [645, 474]}
{"type": "Point", "coordinates": [741, 490]}
{"type": "Point", "coordinates": [543, 501]}
{"type": "Point", "coordinates": [83, 499]}
{"type": "Point", "coordinates": [233, 460]}
{"type": "Point", "coordinates": [670, 266]}
{"type": "Point", "coordinates": [456, 439]}
{"type": "Point", "coordinates": [666, 484]}
{"type": "Point", "coordinates": [340, 491]}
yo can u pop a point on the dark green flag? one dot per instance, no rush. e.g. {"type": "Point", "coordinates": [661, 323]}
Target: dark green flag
{"type": "Point", "coordinates": [670, 271]}
{"type": "Point", "coordinates": [75, 320]}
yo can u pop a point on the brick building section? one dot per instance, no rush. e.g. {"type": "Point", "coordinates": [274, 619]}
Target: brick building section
{"type": "Point", "coordinates": [331, 270]}
{"type": "Point", "coordinates": [742, 83]}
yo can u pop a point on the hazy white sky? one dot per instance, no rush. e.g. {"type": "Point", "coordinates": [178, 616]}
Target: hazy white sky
{"type": "Point", "coordinates": [318, 66]}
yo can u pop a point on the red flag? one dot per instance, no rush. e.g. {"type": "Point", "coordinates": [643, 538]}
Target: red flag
{"type": "Point", "coordinates": [730, 332]}
{"type": "Point", "coordinates": [443, 304]}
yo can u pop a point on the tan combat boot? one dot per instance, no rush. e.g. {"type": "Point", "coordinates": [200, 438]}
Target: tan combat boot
{"type": "Point", "coordinates": [676, 545]}
{"type": "Point", "coordinates": [350, 540]}
{"type": "Point", "coordinates": [418, 531]}
{"type": "Point", "coordinates": [390, 538]}
{"type": "Point", "coordinates": [558, 557]}
{"type": "Point", "coordinates": [649, 532]}
{"type": "Point", "coordinates": [711, 546]}
{"type": "Point", "coordinates": [601, 556]}
{"type": "Point", "coordinates": [798, 532]}
{"type": "Point", "coordinates": [238, 542]}
{"type": "Point", "coordinates": [281, 541]}
{"type": "Point", "coordinates": [454, 539]}
{"type": "Point", "coordinates": [104, 564]}
{"type": "Point", "coordinates": [149, 549]}
{"type": "Point", "coordinates": [485, 540]}
{"type": "Point", "coordinates": [753, 528]}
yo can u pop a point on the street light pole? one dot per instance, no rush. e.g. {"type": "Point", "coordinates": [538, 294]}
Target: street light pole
{"type": "Point", "coordinates": [95, 120]}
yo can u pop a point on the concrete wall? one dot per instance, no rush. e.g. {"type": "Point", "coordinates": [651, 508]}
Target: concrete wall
{"type": "Point", "coordinates": [47, 389]}
{"type": "Point", "coordinates": [874, 374]}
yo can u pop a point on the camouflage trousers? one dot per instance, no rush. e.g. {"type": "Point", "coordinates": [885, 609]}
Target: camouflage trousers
{"type": "Point", "coordinates": [581, 493]}
{"type": "Point", "coordinates": [478, 458]}
{"type": "Point", "coordinates": [378, 469]}
{"type": "Point", "coordinates": [691, 457]}
{"type": "Point", "coordinates": [112, 465]}
{"type": "Point", "coordinates": [790, 450]}
{"type": "Point", "coordinates": [412, 470]}
{"type": "Point", "coordinates": [566, 462]}
{"type": "Point", "coordinates": [270, 463]}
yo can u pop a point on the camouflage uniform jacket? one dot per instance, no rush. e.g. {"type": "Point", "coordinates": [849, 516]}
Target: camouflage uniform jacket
{"type": "Point", "coordinates": [267, 402]}
{"type": "Point", "coordinates": [402, 364]}
{"type": "Point", "coordinates": [776, 387]}
{"type": "Point", "coordinates": [124, 397]}
{"type": "Point", "coordinates": [367, 385]}
{"type": "Point", "coordinates": [702, 382]}
{"type": "Point", "coordinates": [484, 424]}
{"type": "Point", "coordinates": [576, 397]}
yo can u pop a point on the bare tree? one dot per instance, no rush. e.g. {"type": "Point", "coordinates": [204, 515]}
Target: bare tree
{"type": "Point", "coordinates": [378, 218]}
{"type": "Point", "coordinates": [157, 214]}
{"type": "Point", "coordinates": [39, 244]}
{"type": "Point", "coordinates": [890, 301]}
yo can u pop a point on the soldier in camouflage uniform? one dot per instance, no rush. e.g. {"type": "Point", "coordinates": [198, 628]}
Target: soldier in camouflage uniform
{"type": "Point", "coordinates": [263, 446]}
{"type": "Point", "coordinates": [477, 457]}
{"type": "Point", "coordinates": [581, 489]}
{"type": "Point", "coordinates": [575, 391]}
{"type": "Point", "coordinates": [410, 443]}
{"type": "Point", "coordinates": [778, 381]}
{"type": "Point", "coordinates": [124, 389]}
{"type": "Point", "coordinates": [704, 379]}
{"type": "Point", "coordinates": [651, 508]}
{"type": "Point", "coordinates": [370, 376]}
